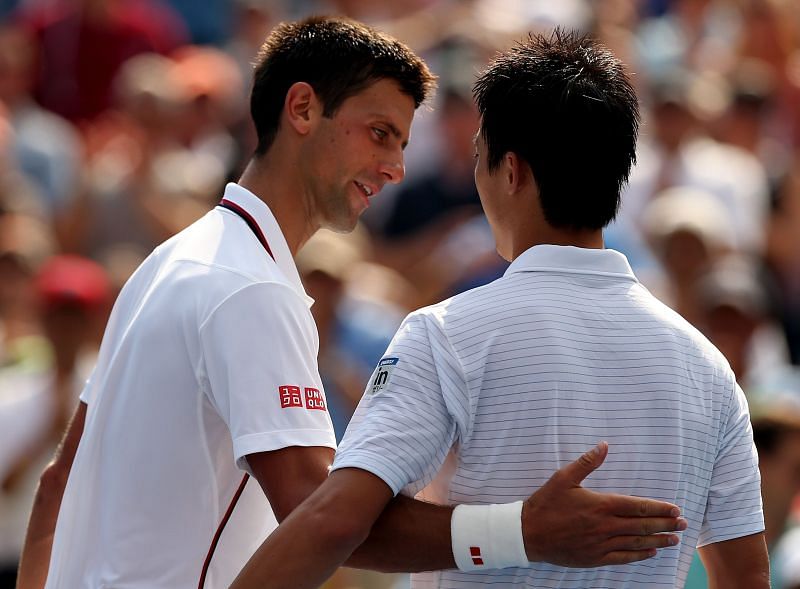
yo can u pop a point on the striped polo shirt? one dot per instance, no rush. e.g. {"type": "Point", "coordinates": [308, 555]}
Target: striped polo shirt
{"type": "Point", "coordinates": [480, 398]}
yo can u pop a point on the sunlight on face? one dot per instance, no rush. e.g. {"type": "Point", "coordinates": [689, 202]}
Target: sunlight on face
{"type": "Point", "coordinates": [357, 151]}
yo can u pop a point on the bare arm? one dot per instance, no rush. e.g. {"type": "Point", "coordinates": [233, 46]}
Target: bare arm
{"type": "Point", "coordinates": [737, 564]}
{"type": "Point", "coordinates": [562, 523]}
{"type": "Point", "coordinates": [35, 558]}
{"type": "Point", "coordinates": [319, 536]}
{"type": "Point", "coordinates": [289, 475]}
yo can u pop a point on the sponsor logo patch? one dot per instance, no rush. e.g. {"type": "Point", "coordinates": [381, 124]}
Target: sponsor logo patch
{"type": "Point", "coordinates": [290, 396]}
{"type": "Point", "coordinates": [475, 553]}
{"type": "Point", "coordinates": [381, 376]}
{"type": "Point", "coordinates": [314, 399]}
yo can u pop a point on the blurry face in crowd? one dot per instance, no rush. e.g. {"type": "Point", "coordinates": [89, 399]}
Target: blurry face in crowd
{"type": "Point", "coordinates": [780, 476]}
{"type": "Point", "coordinates": [350, 156]}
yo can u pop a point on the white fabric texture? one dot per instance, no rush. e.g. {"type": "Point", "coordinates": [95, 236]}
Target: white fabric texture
{"type": "Point", "coordinates": [488, 536]}
{"type": "Point", "coordinates": [188, 382]}
{"type": "Point", "coordinates": [516, 379]}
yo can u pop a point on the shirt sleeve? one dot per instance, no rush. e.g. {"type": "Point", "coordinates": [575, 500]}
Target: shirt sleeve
{"type": "Point", "coordinates": [404, 427]}
{"type": "Point", "coordinates": [260, 358]}
{"type": "Point", "coordinates": [734, 506]}
{"type": "Point", "coordinates": [86, 392]}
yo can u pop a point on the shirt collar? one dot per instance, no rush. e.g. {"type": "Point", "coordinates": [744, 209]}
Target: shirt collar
{"type": "Point", "coordinates": [262, 214]}
{"type": "Point", "coordinates": [572, 260]}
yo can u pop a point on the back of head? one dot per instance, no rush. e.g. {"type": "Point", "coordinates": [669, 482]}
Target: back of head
{"type": "Point", "coordinates": [564, 105]}
{"type": "Point", "coordinates": [338, 57]}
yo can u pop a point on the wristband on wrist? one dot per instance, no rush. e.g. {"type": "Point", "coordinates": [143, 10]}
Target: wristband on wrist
{"type": "Point", "coordinates": [488, 536]}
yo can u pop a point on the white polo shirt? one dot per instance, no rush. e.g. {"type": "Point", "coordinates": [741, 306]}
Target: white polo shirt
{"type": "Point", "coordinates": [209, 355]}
{"type": "Point", "coordinates": [517, 378]}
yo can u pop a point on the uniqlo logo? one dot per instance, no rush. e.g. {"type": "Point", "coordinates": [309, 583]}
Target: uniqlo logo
{"type": "Point", "coordinates": [290, 396]}
{"type": "Point", "coordinates": [475, 553]}
{"type": "Point", "coordinates": [314, 399]}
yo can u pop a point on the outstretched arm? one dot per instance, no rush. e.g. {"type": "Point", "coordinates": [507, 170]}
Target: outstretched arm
{"type": "Point", "coordinates": [563, 523]}
{"type": "Point", "coordinates": [35, 558]}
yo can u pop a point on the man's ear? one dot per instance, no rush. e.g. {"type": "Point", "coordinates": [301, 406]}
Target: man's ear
{"type": "Point", "coordinates": [302, 107]}
{"type": "Point", "coordinates": [515, 172]}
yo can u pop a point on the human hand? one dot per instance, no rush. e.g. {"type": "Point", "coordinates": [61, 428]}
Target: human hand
{"type": "Point", "coordinates": [567, 525]}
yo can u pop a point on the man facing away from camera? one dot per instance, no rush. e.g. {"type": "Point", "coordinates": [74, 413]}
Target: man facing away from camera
{"type": "Point", "coordinates": [481, 396]}
{"type": "Point", "coordinates": [208, 364]}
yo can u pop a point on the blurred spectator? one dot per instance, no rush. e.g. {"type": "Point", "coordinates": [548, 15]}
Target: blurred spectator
{"type": "Point", "coordinates": [776, 431]}
{"type": "Point", "coordinates": [675, 150]}
{"type": "Point", "coordinates": [737, 318]}
{"type": "Point", "coordinates": [432, 206]}
{"type": "Point", "coordinates": [213, 89]}
{"type": "Point", "coordinates": [697, 34]}
{"type": "Point", "coordinates": [355, 320]}
{"type": "Point", "coordinates": [17, 193]}
{"type": "Point", "coordinates": [46, 147]}
{"type": "Point", "coordinates": [25, 244]}
{"type": "Point", "coordinates": [751, 120]}
{"type": "Point", "coordinates": [153, 162]}
{"type": "Point", "coordinates": [449, 187]}
{"type": "Point", "coordinates": [687, 231]}
{"type": "Point", "coordinates": [35, 405]}
{"type": "Point", "coordinates": [253, 21]}
{"type": "Point", "coordinates": [83, 44]}
{"type": "Point", "coordinates": [209, 22]}
{"type": "Point", "coordinates": [785, 566]}
{"type": "Point", "coordinates": [783, 255]}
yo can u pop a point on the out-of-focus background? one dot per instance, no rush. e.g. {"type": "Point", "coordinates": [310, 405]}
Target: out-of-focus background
{"type": "Point", "coordinates": [121, 121]}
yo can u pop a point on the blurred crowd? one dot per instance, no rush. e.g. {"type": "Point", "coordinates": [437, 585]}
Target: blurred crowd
{"type": "Point", "coordinates": [122, 120]}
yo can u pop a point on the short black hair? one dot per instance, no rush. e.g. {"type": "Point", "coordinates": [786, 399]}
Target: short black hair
{"type": "Point", "coordinates": [564, 104]}
{"type": "Point", "coordinates": [339, 58]}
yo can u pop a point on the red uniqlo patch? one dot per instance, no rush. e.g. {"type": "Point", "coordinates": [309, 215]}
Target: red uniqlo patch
{"type": "Point", "coordinates": [314, 399]}
{"type": "Point", "coordinates": [475, 553]}
{"type": "Point", "coordinates": [290, 396]}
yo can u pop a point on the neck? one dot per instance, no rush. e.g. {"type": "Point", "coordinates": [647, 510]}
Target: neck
{"type": "Point", "coordinates": [275, 180]}
{"type": "Point", "coordinates": [524, 238]}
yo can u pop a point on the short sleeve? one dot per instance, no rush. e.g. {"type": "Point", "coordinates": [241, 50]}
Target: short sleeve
{"type": "Point", "coordinates": [403, 427]}
{"type": "Point", "coordinates": [259, 352]}
{"type": "Point", "coordinates": [734, 501]}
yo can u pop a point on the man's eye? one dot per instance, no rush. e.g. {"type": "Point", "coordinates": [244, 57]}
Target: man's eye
{"type": "Point", "coordinates": [379, 133]}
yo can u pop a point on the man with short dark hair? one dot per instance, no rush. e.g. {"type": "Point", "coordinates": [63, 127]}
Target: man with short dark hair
{"type": "Point", "coordinates": [208, 363]}
{"type": "Point", "coordinates": [480, 397]}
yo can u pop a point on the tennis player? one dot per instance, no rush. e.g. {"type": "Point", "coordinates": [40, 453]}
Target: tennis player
{"type": "Point", "coordinates": [207, 369]}
{"type": "Point", "coordinates": [480, 397]}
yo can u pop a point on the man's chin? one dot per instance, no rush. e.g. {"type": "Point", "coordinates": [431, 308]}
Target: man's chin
{"type": "Point", "coordinates": [342, 224]}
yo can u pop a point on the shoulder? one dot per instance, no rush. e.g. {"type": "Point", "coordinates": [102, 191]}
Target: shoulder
{"type": "Point", "coordinates": [460, 306]}
{"type": "Point", "coordinates": [692, 340]}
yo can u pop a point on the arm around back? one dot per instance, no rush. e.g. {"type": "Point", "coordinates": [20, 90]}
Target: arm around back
{"type": "Point", "coordinates": [741, 563]}
{"type": "Point", "coordinates": [585, 528]}
{"type": "Point", "coordinates": [318, 537]}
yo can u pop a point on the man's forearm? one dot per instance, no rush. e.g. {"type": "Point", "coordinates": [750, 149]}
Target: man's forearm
{"type": "Point", "coordinates": [35, 559]}
{"type": "Point", "coordinates": [413, 536]}
{"type": "Point", "coordinates": [409, 536]}
{"type": "Point", "coordinates": [562, 523]}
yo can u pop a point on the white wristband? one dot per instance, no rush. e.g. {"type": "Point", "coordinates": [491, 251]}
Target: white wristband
{"type": "Point", "coordinates": [488, 536]}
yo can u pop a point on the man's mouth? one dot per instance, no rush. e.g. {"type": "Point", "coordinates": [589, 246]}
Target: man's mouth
{"type": "Point", "coordinates": [368, 191]}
